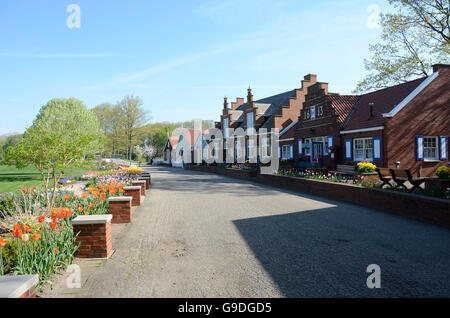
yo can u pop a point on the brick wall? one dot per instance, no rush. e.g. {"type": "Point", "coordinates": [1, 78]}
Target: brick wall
{"type": "Point", "coordinates": [95, 239]}
{"type": "Point", "coordinates": [135, 193]}
{"type": "Point", "coordinates": [417, 207]}
{"type": "Point", "coordinates": [120, 209]}
{"type": "Point", "coordinates": [426, 115]}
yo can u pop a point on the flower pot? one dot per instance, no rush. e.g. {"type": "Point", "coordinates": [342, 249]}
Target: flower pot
{"type": "Point", "coordinates": [436, 186]}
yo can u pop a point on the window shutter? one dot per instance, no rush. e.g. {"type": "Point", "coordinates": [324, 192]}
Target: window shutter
{"type": "Point", "coordinates": [300, 146]}
{"type": "Point", "coordinates": [330, 143]}
{"type": "Point", "coordinates": [279, 152]}
{"type": "Point", "coordinates": [376, 148]}
{"type": "Point", "coordinates": [443, 147]}
{"type": "Point", "coordinates": [348, 149]}
{"type": "Point", "coordinates": [419, 141]}
{"type": "Point", "coordinates": [291, 151]}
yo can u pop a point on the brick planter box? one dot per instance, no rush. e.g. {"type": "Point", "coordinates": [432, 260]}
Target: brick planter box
{"type": "Point", "coordinates": [437, 186]}
{"type": "Point", "coordinates": [120, 209]}
{"type": "Point", "coordinates": [140, 183]}
{"type": "Point", "coordinates": [18, 286]}
{"type": "Point", "coordinates": [147, 174]}
{"type": "Point", "coordinates": [135, 193]}
{"type": "Point", "coordinates": [147, 182]}
{"type": "Point", "coordinates": [418, 207]}
{"type": "Point", "coordinates": [94, 235]}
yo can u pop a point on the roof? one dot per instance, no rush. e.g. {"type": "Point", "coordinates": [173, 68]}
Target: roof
{"type": "Point", "coordinates": [266, 107]}
{"type": "Point", "coordinates": [343, 105]}
{"type": "Point", "coordinates": [384, 101]}
{"type": "Point", "coordinates": [272, 105]}
{"type": "Point", "coordinates": [173, 141]}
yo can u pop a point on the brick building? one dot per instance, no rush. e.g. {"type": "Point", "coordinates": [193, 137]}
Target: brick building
{"type": "Point", "coordinates": [278, 111]}
{"type": "Point", "coordinates": [407, 123]}
{"type": "Point", "coordinates": [318, 127]}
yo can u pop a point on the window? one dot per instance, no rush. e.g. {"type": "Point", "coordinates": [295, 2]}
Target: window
{"type": "Point", "coordinates": [363, 149]}
{"type": "Point", "coordinates": [308, 141]}
{"type": "Point", "coordinates": [430, 148]}
{"type": "Point", "coordinates": [286, 152]}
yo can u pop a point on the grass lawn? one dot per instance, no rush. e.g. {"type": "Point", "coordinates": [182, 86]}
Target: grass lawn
{"type": "Point", "coordinates": [12, 179]}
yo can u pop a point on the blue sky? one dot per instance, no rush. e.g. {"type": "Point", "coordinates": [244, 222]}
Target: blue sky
{"type": "Point", "coordinates": [181, 56]}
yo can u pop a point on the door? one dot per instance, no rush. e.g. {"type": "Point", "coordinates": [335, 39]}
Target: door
{"type": "Point", "coordinates": [317, 151]}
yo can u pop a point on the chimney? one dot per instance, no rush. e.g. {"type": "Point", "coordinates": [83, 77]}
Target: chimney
{"type": "Point", "coordinates": [371, 110]}
{"type": "Point", "coordinates": [249, 98]}
{"type": "Point", "coordinates": [225, 102]}
{"type": "Point", "coordinates": [437, 67]}
{"type": "Point", "coordinates": [310, 78]}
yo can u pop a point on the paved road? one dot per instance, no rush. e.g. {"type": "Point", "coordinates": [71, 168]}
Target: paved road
{"type": "Point", "coordinates": [205, 235]}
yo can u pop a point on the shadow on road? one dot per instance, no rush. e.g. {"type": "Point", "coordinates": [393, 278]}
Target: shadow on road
{"type": "Point", "coordinates": [325, 253]}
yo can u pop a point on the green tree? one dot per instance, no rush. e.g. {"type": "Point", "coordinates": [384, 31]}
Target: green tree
{"type": "Point", "coordinates": [413, 39]}
{"type": "Point", "coordinates": [62, 135]}
{"type": "Point", "coordinates": [131, 116]}
{"type": "Point", "coordinates": [8, 141]}
{"type": "Point", "coordinates": [156, 135]}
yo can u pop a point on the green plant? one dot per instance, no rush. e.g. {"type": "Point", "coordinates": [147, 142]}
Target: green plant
{"type": "Point", "coordinates": [443, 172]}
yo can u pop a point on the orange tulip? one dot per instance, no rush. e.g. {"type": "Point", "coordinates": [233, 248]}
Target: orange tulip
{"type": "Point", "coordinates": [3, 242]}
{"type": "Point", "coordinates": [75, 196]}
{"type": "Point", "coordinates": [36, 237]}
{"type": "Point", "coordinates": [92, 205]}
{"type": "Point", "coordinates": [41, 218]}
{"type": "Point", "coordinates": [55, 250]}
{"type": "Point", "coordinates": [84, 195]}
{"type": "Point", "coordinates": [27, 229]}
{"type": "Point", "coordinates": [80, 209]}
{"type": "Point", "coordinates": [66, 197]}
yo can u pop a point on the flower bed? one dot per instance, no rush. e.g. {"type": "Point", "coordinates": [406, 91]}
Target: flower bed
{"type": "Point", "coordinates": [37, 246]}
{"type": "Point", "coordinates": [36, 238]}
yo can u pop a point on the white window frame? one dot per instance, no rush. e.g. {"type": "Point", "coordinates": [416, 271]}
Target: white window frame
{"type": "Point", "coordinates": [307, 145]}
{"type": "Point", "coordinates": [365, 149]}
{"type": "Point", "coordinates": [285, 152]}
{"type": "Point", "coordinates": [427, 149]}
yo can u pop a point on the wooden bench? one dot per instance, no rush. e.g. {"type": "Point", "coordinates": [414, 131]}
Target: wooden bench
{"type": "Point", "coordinates": [401, 176]}
{"type": "Point", "coordinates": [385, 176]}
{"type": "Point", "coordinates": [344, 170]}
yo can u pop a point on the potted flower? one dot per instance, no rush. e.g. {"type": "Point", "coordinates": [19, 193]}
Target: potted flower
{"type": "Point", "coordinates": [397, 164]}
{"type": "Point", "coordinates": [438, 186]}
{"type": "Point", "coordinates": [366, 171]}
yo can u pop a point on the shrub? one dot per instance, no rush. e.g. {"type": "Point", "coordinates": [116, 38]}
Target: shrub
{"type": "Point", "coordinates": [443, 172]}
